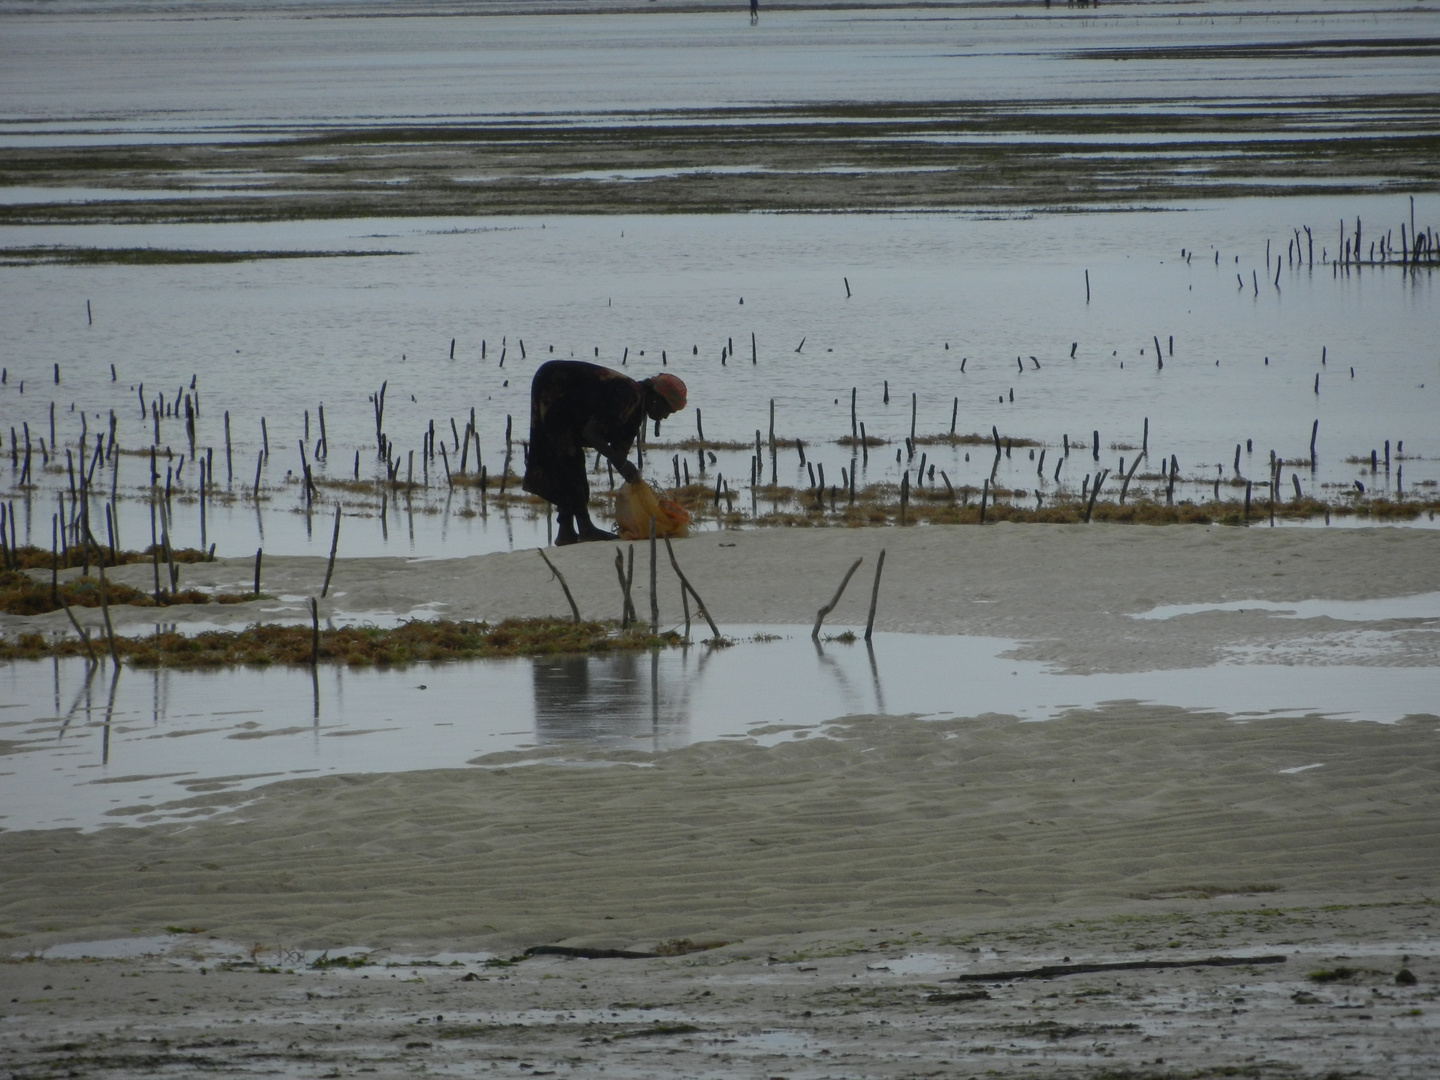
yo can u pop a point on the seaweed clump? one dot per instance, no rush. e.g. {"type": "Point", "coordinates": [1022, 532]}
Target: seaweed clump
{"type": "Point", "coordinates": [21, 594]}
{"type": "Point", "coordinates": [417, 641]}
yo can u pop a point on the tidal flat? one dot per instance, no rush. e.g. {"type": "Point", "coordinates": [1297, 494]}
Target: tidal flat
{"type": "Point", "coordinates": [1096, 800]}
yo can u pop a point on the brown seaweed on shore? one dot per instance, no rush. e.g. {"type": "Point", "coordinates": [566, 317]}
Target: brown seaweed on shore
{"type": "Point", "coordinates": [418, 641]}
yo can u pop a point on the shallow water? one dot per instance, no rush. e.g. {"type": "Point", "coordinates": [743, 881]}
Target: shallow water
{"type": "Point", "coordinates": [285, 66]}
{"type": "Point", "coordinates": [87, 754]}
{"type": "Point", "coordinates": [928, 291]}
{"type": "Point", "coordinates": [274, 340]}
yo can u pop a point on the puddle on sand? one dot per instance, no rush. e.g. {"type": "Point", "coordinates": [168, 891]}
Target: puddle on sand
{"type": "Point", "coordinates": [1419, 606]}
{"type": "Point", "coordinates": [189, 949]}
{"type": "Point", "coordinates": [84, 754]}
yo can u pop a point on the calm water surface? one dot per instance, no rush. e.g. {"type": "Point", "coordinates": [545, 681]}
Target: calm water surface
{"type": "Point", "coordinates": [929, 293]}
{"type": "Point", "coordinates": [127, 76]}
{"type": "Point", "coordinates": [85, 752]}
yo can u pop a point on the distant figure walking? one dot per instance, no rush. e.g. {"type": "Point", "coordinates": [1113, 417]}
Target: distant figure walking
{"type": "Point", "coordinates": [754, 12]}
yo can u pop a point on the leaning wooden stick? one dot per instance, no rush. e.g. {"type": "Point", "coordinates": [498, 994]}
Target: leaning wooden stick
{"type": "Point", "coordinates": [874, 594]}
{"type": "Point", "coordinates": [330, 567]}
{"type": "Point", "coordinates": [561, 578]}
{"type": "Point", "coordinates": [625, 607]}
{"type": "Point", "coordinates": [630, 581]}
{"type": "Point", "coordinates": [1125, 484]}
{"type": "Point", "coordinates": [84, 637]}
{"type": "Point", "coordinates": [1090, 508]}
{"type": "Point", "coordinates": [105, 614]}
{"type": "Point", "coordinates": [820, 615]}
{"type": "Point", "coordinates": [685, 583]}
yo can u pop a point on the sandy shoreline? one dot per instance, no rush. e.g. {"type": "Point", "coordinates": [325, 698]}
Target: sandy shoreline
{"type": "Point", "coordinates": [1067, 592]}
{"type": "Point", "coordinates": [1106, 833]}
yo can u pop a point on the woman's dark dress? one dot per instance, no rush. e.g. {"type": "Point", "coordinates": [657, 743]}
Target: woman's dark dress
{"type": "Point", "coordinates": [565, 396]}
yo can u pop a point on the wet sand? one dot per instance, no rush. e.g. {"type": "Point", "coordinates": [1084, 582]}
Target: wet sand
{"type": "Point", "coordinates": [1067, 592]}
{"type": "Point", "coordinates": [1126, 832]}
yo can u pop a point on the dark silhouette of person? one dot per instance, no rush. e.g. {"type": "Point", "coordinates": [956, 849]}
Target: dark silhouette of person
{"type": "Point", "coordinates": [754, 11]}
{"type": "Point", "coordinates": [575, 405]}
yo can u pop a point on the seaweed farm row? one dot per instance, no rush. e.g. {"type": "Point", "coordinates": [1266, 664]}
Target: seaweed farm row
{"type": "Point", "coordinates": [1262, 378]}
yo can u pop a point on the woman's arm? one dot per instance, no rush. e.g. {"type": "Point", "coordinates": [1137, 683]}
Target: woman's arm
{"type": "Point", "coordinates": [593, 435]}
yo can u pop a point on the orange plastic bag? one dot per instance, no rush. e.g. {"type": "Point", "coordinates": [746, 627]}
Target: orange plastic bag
{"type": "Point", "coordinates": [636, 503]}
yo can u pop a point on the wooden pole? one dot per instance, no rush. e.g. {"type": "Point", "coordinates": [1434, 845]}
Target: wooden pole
{"type": "Point", "coordinates": [685, 584]}
{"type": "Point", "coordinates": [105, 614]}
{"type": "Point", "coordinates": [874, 594]}
{"type": "Point", "coordinates": [334, 546]}
{"type": "Point", "coordinates": [820, 615]}
{"type": "Point", "coordinates": [1125, 482]}
{"type": "Point", "coordinates": [1094, 494]}
{"type": "Point", "coordinates": [575, 610]}
{"type": "Point", "coordinates": [80, 630]}
{"type": "Point", "coordinates": [627, 609]}
{"type": "Point", "coordinates": [654, 596]}
{"type": "Point", "coordinates": [630, 581]}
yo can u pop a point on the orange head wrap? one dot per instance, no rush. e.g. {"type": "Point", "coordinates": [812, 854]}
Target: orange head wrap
{"type": "Point", "coordinates": [671, 389]}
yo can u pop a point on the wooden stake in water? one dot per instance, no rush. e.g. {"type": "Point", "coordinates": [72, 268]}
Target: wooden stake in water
{"type": "Point", "coordinates": [1125, 481]}
{"type": "Point", "coordinates": [820, 615]}
{"type": "Point", "coordinates": [1095, 493]}
{"type": "Point", "coordinates": [314, 632]}
{"type": "Point", "coordinates": [627, 607]}
{"type": "Point", "coordinates": [105, 614]}
{"type": "Point", "coordinates": [79, 630]}
{"type": "Point", "coordinates": [334, 546]}
{"type": "Point", "coordinates": [716, 639]}
{"type": "Point", "coordinates": [203, 541]}
{"type": "Point", "coordinates": [258, 556]}
{"type": "Point", "coordinates": [874, 594]}
{"type": "Point", "coordinates": [654, 596]}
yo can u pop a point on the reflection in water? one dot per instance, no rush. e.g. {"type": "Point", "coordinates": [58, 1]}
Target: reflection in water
{"type": "Point", "coordinates": [875, 671]}
{"type": "Point", "coordinates": [230, 729]}
{"type": "Point", "coordinates": [596, 697]}
{"type": "Point", "coordinates": [110, 713]}
{"type": "Point", "coordinates": [848, 694]}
